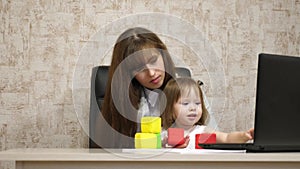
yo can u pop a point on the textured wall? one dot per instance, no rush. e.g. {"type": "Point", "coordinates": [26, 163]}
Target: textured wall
{"type": "Point", "coordinates": [41, 42]}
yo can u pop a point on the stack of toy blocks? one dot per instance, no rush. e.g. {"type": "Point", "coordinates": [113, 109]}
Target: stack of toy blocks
{"type": "Point", "coordinates": [150, 133]}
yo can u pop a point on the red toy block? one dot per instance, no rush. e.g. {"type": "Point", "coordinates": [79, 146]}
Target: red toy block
{"type": "Point", "coordinates": [175, 136]}
{"type": "Point", "coordinates": [206, 138]}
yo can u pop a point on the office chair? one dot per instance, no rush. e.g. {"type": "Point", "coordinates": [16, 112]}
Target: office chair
{"type": "Point", "coordinates": [98, 85]}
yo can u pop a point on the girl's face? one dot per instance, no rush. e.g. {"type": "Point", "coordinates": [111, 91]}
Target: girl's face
{"type": "Point", "coordinates": [152, 74]}
{"type": "Point", "coordinates": [188, 110]}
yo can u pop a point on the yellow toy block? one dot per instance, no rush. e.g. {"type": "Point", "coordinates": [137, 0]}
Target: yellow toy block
{"type": "Point", "coordinates": [151, 124]}
{"type": "Point", "coordinates": [147, 140]}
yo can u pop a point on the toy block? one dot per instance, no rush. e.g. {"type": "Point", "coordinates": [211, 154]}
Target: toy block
{"type": "Point", "coordinates": [151, 124]}
{"type": "Point", "coordinates": [175, 136]}
{"type": "Point", "coordinates": [204, 138]}
{"type": "Point", "coordinates": [147, 140]}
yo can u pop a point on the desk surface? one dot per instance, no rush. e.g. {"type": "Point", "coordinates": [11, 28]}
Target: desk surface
{"type": "Point", "coordinates": [86, 158]}
{"type": "Point", "coordinates": [119, 155]}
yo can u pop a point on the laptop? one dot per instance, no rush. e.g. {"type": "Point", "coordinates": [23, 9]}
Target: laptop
{"type": "Point", "coordinates": [277, 111]}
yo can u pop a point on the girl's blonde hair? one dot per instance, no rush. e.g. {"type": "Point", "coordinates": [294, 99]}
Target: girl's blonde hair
{"type": "Point", "coordinates": [175, 89]}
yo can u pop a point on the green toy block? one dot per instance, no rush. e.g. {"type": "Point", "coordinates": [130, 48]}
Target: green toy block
{"type": "Point", "coordinates": [147, 140]}
{"type": "Point", "coordinates": [151, 124]}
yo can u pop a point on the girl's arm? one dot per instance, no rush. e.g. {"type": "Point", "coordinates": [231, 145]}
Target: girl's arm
{"type": "Point", "coordinates": [235, 137]}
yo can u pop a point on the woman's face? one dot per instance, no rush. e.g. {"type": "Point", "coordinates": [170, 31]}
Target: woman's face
{"type": "Point", "coordinates": [152, 74]}
{"type": "Point", "coordinates": [188, 110]}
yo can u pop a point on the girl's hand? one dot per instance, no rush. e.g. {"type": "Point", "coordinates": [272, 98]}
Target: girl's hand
{"type": "Point", "coordinates": [250, 132]}
{"type": "Point", "coordinates": [248, 135]}
{"type": "Point", "coordinates": [185, 144]}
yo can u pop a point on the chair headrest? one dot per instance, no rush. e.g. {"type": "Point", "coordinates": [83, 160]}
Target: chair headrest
{"type": "Point", "coordinates": [101, 80]}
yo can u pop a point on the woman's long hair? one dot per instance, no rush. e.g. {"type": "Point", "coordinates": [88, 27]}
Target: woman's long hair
{"type": "Point", "coordinates": [123, 91]}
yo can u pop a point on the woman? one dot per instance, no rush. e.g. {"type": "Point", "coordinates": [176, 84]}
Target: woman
{"type": "Point", "coordinates": [140, 68]}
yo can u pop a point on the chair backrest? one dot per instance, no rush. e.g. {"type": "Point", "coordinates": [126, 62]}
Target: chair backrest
{"type": "Point", "coordinates": [98, 85]}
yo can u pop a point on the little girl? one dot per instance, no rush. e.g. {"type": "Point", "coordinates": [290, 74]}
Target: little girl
{"type": "Point", "coordinates": [185, 109]}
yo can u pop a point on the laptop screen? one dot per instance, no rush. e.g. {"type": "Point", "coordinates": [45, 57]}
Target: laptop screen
{"type": "Point", "coordinates": [277, 114]}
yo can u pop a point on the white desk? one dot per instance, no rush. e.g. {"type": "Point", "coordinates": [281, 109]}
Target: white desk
{"type": "Point", "coordinates": [86, 159]}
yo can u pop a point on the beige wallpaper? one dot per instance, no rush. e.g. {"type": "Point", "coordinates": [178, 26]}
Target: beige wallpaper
{"type": "Point", "coordinates": [47, 49]}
